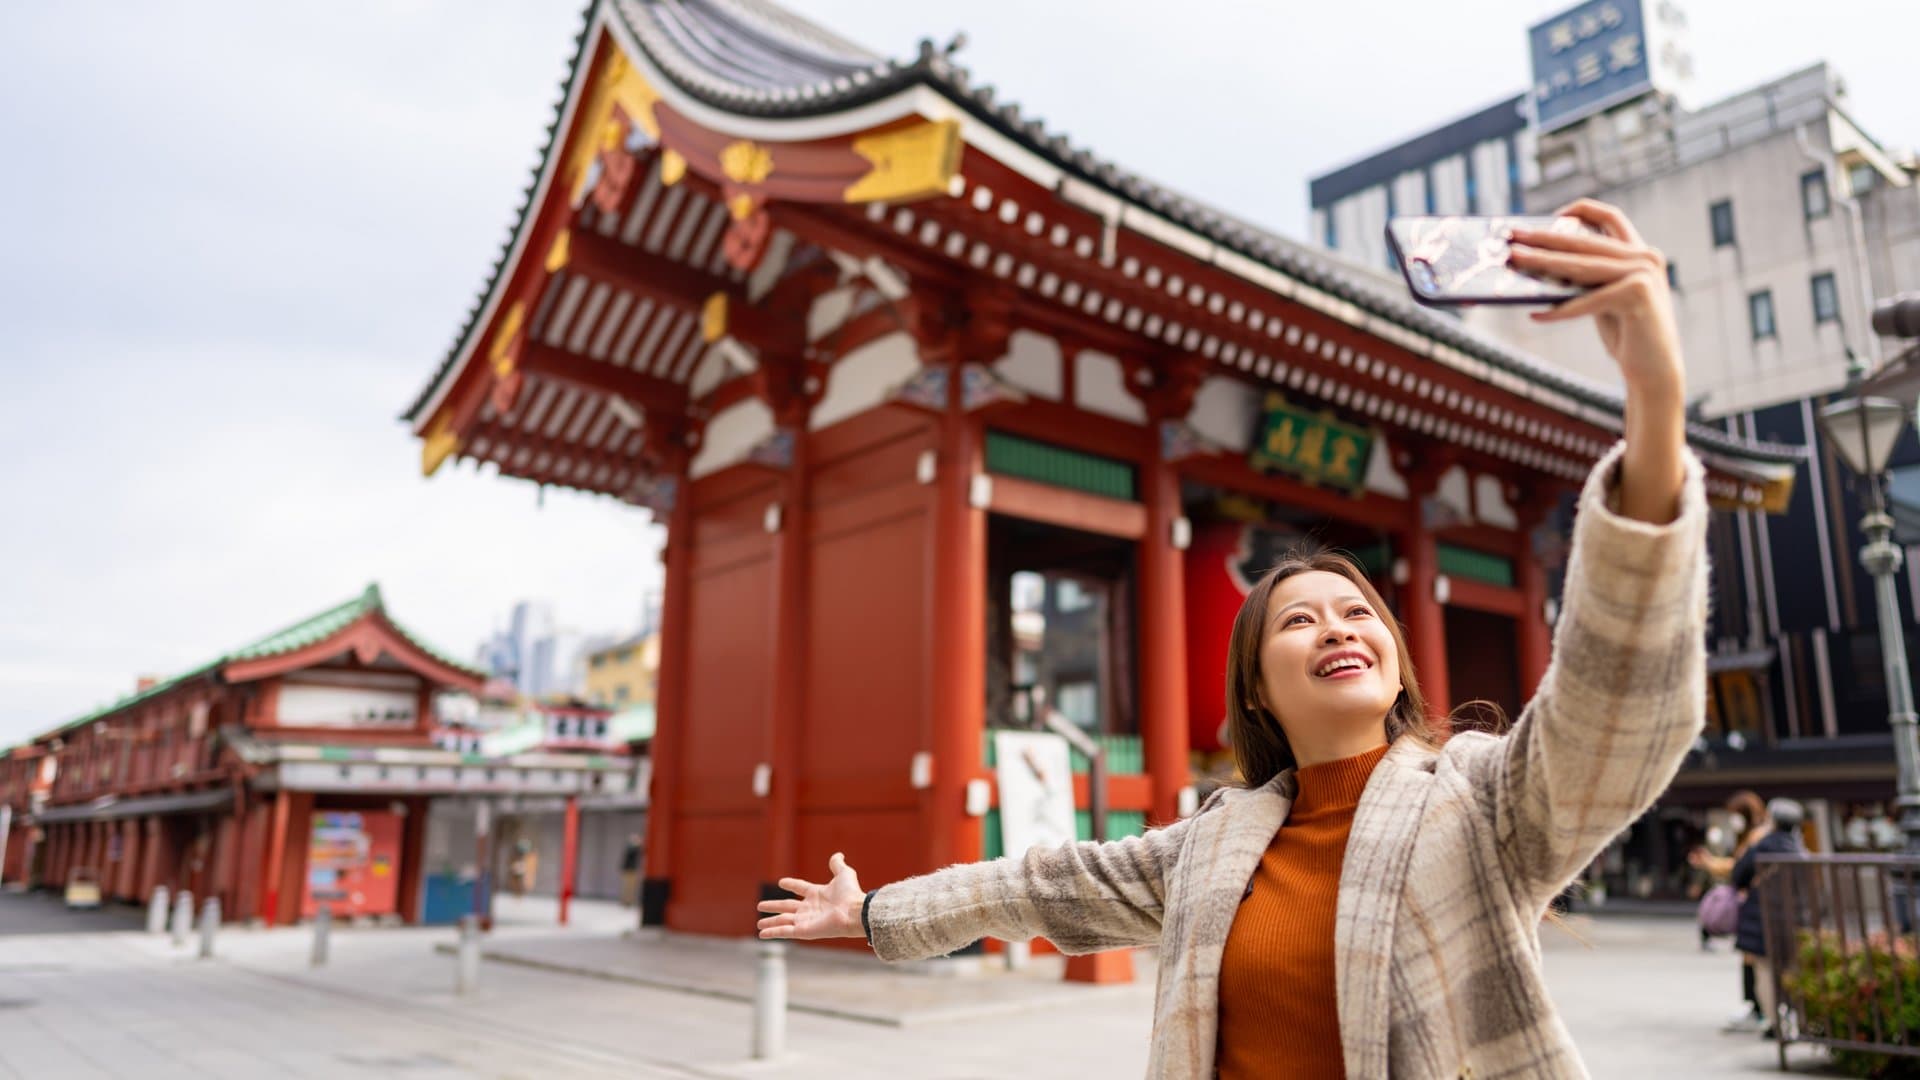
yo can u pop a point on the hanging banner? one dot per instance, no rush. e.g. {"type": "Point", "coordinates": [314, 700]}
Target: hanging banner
{"type": "Point", "coordinates": [1312, 446]}
{"type": "Point", "coordinates": [1036, 790]}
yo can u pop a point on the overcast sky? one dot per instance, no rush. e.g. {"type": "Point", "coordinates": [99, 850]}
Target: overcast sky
{"type": "Point", "coordinates": [238, 237]}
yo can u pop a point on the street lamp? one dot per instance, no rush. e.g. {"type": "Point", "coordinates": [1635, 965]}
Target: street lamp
{"type": "Point", "coordinates": [1863, 431]}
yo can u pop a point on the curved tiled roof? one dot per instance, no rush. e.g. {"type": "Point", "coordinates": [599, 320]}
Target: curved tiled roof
{"type": "Point", "coordinates": [754, 58]}
{"type": "Point", "coordinates": [308, 631]}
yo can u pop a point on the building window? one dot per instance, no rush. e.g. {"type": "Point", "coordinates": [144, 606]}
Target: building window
{"type": "Point", "coordinates": [1721, 214]}
{"type": "Point", "coordinates": [1514, 202]}
{"type": "Point", "coordinates": [1673, 276]}
{"type": "Point", "coordinates": [1861, 178]}
{"type": "Point", "coordinates": [1473, 184]}
{"type": "Point", "coordinates": [1826, 299]}
{"type": "Point", "coordinates": [1426, 181]}
{"type": "Point", "coordinates": [1393, 211]}
{"type": "Point", "coordinates": [1333, 232]}
{"type": "Point", "coordinates": [1760, 314]}
{"type": "Point", "coordinates": [1813, 194]}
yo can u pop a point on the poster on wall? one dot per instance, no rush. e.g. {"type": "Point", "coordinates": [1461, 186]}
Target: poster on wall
{"type": "Point", "coordinates": [353, 863]}
{"type": "Point", "coordinates": [1036, 790]}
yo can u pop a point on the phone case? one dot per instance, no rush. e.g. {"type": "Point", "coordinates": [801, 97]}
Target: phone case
{"type": "Point", "coordinates": [1449, 261]}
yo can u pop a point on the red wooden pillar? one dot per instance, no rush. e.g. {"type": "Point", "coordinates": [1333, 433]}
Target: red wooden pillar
{"type": "Point", "coordinates": [670, 712]}
{"type": "Point", "coordinates": [956, 641]}
{"type": "Point", "coordinates": [1422, 607]}
{"type": "Point", "coordinates": [126, 872]}
{"type": "Point", "coordinates": [413, 860]}
{"type": "Point", "coordinates": [1164, 728]}
{"type": "Point", "coordinates": [150, 859]}
{"type": "Point", "coordinates": [277, 829]}
{"type": "Point", "coordinates": [1532, 634]}
{"type": "Point", "coordinates": [789, 602]}
{"type": "Point", "coordinates": [569, 855]}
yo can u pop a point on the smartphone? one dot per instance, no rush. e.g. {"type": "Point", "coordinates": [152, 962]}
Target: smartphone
{"type": "Point", "coordinates": [1452, 261]}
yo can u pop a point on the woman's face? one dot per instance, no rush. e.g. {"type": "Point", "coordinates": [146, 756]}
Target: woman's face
{"type": "Point", "coordinates": [1328, 656]}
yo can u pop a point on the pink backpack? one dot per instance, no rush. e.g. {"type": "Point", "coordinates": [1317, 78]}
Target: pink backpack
{"type": "Point", "coordinates": [1720, 910]}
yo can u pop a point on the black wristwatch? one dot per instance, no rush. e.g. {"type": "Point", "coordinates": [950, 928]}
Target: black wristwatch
{"type": "Point", "coordinates": [866, 924]}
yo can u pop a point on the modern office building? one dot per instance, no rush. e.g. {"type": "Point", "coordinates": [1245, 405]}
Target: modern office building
{"type": "Point", "coordinates": [1781, 220]}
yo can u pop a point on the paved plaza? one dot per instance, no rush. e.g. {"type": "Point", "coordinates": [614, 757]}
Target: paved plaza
{"type": "Point", "coordinates": [595, 1000]}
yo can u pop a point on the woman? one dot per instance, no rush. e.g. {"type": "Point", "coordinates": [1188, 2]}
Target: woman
{"type": "Point", "coordinates": [1780, 837]}
{"type": "Point", "coordinates": [1367, 904]}
{"type": "Point", "coordinates": [1747, 818]}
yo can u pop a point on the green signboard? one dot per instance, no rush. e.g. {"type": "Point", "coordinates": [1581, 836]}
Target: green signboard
{"type": "Point", "coordinates": [1313, 446]}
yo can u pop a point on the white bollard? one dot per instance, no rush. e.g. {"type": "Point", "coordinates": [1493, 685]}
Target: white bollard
{"type": "Point", "coordinates": [157, 911]}
{"type": "Point", "coordinates": [182, 917]}
{"type": "Point", "coordinates": [466, 968]}
{"type": "Point", "coordinates": [209, 926]}
{"type": "Point", "coordinates": [322, 929]}
{"type": "Point", "coordinates": [1018, 953]}
{"type": "Point", "coordinates": [770, 1001]}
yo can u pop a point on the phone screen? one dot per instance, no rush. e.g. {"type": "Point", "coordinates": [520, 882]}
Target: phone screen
{"type": "Point", "coordinates": [1452, 261]}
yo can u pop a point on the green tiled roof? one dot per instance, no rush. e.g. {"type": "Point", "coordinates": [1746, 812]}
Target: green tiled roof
{"type": "Point", "coordinates": [308, 631]}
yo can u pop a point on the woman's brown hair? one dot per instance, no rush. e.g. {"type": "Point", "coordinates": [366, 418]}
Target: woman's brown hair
{"type": "Point", "coordinates": [1259, 744]}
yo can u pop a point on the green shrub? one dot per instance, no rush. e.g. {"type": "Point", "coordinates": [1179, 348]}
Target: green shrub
{"type": "Point", "coordinates": [1840, 986]}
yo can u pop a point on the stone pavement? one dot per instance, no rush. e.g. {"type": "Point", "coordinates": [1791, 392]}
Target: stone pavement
{"type": "Point", "coordinates": [1639, 996]}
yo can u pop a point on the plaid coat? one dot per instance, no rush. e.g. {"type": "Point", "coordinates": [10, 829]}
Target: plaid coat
{"type": "Point", "coordinates": [1453, 855]}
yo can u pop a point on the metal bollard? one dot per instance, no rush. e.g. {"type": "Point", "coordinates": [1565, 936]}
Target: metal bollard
{"type": "Point", "coordinates": [322, 928]}
{"type": "Point", "coordinates": [466, 968]}
{"type": "Point", "coordinates": [209, 926]}
{"type": "Point", "coordinates": [182, 917]}
{"type": "Point", "coordinates": [1018, 953]}
{"type": "Point", "coordinates": [157, 911]}
{"type": "Point", "coordinates": [770, 1001]}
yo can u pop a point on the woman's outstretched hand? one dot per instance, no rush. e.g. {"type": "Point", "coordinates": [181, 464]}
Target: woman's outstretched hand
{"type": "Point", "coordinates": [1632, 306]}
{"type": "Point", "coordinates": [822, 911]}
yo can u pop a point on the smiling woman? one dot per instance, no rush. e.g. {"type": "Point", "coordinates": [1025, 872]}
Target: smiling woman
{"type": "Point", "coordinates": [1366, 903]}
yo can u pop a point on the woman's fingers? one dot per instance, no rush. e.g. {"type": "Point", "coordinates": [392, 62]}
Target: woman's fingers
{"type": "Point", "coordinates": [1583, 243]}
{"type": "Point", "coordinates": [798, 887]}
{"type": "Point", "coordinates": [777, 926]}
{"type": "Point", "coordinates": [1603, 216]}
{"type": "Point", "coordinates": [837, 864]}
{"type": "Point", "coordinates": [1580, 269]}
{"type": "Point", "coordinates": [1603, 299]}
{"type": "Point", "coordinates": [780, 907]}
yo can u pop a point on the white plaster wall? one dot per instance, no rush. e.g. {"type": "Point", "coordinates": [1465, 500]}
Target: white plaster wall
{"type": "Point", "coordinates": [1032, 363]}
{"type": "Point", "coordinates": [1492, 503]}
{"type": "Point", "coordinates": [863, 378]}
{"type": "Point", "coordinates": [1381, 478]}
{"type": "Point", "coordinates": [729, 435]}
{"type": "Point", "coordinates": [1099, 385]}
{"type": "Point", "coordinates": [1452, 490]}
{"type": "Point", "coordinates": [1226, 412]}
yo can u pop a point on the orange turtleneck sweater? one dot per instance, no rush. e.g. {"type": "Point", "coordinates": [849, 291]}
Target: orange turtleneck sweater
{"type": "Point", "coordinates": [1278, 1015]}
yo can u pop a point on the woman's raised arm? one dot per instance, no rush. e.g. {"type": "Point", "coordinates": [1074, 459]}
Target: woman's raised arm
{"type": "Point", "coordinates": [1624, 696]}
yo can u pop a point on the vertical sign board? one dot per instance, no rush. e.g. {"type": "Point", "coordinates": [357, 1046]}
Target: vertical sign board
{"type": "Point", "coordinates": [1601, 53]}
{"type": "Point", "coordinates": [1035, 773]}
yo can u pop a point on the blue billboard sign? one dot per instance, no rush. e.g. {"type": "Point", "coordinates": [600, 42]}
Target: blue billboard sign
{"type": "Point", "coordinates": [1588, 58]}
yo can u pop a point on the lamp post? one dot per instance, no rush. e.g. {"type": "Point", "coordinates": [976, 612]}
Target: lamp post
{"type": "Point", "coordinates": [1863, 431]}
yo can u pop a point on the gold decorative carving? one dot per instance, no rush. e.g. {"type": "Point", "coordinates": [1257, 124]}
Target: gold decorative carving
{"type": "Point", "coordinates": [912, 162]}
{"type": "Point", "coordinates": [616, 83]}
{"type": "Point", "coordinates": [742, 205]}
{"type": "Point", "coordinates": [746, 162]}
{"type": "Point", "coordinates": [501, 355]}
{"type": "Point", "coordinates": [713, 318]}
{"type": "Point", "coordinates": [560, 252]}
{"type": "Point", "coordinates": [438, 445]}
{"type": "Point", "coordinates": [673, 167]}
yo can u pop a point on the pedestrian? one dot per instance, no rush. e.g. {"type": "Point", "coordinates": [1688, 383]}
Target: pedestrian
{"type": "Point", "coordinates": [630, 872]}
{"type": "Point", "coordinates": [524, 870]}
{"type": "Point", "coordinates": [1366, 903]}
{"type": "Point", "coordinates": [1780, 837]}
{"type": "Point", "coordinates": [1720, 906]}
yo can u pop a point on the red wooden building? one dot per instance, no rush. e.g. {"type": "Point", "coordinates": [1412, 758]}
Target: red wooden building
{"type": "Point", "coordinates": [878, 348]}
{"type": "Point", "coordinates": [294, 771]}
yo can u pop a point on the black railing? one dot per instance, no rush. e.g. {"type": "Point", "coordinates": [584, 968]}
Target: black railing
{"type": "Point", "coordinates": [1843, 952]}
